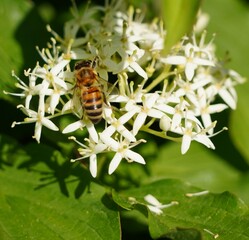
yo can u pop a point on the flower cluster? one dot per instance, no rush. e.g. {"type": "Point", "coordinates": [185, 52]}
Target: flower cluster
{"type": "Point", "coordinates": [169, 96]}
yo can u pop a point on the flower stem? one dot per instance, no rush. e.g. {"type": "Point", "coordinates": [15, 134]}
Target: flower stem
{"type": "Point", "coordinates": [159, 79]}
{"type": "Point", "coordinates": [161, 134]}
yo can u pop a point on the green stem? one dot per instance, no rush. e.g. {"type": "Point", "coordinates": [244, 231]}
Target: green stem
{"type": "Point", "coordinates": [161, 134]}
{"type": "Point", "coordinates": [59, 114]}
{"type": "Point", "coordinates": [159, 79]}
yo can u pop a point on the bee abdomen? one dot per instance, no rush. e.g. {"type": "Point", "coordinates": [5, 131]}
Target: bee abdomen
{"type": "Point", "coordinates": [93, 104]}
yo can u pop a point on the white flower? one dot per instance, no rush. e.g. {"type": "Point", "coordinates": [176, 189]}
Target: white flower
{"type": "Point", "coordinates": [189, 61]}
{"type": "Point", "coordinates": [144, 110]}
{"type": "Point", "coordinates": [191, 131]}
{"type": "Point", "coordinates": [28, 90]}
{"type": "Point", "coordinates": [54, 99]}
{"type": "Point", "coordinates": [131, 62]}
{"type": "Point", "coordinates": [51, 76]}
{"type": "Point", "coordinates": [90, 151]}
{"type": "Point", "coordinates": [188, 88]}
{"type": "Point", "coordinates": [225, 90]}
{"type": "Point", "coordinates": [118, 125]}
{"type": "Point", "coordinates": [39, 119]}
{"type": "Point", "coordinates": [155, 206]}
{"type": "Point", "coordinates": [80, 124]}
{"type": "Point", "coordinates": [205, 109]}
{"type": "Point", "coordinates": [122, 150]}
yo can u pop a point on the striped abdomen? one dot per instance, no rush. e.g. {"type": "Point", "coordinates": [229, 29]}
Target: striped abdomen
{"type": "Point", "coordinates": [92, 103]}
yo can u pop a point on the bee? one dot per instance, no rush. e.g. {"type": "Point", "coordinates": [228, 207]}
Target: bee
{"type": "Point", "coordinates": [90, 90]}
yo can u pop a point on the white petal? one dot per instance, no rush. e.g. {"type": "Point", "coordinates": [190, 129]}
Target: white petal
{"type": "Point", "coordinates": [190, 70]}
{"type": "Point", "coordinates": [165, 108]}
{"type": "Point", "coordinates": [176, 120]}
{"type": "Point", "coordinates": [155, 113]}
{"type": "Point", "coordinates": [139, 70]}
{"type": "Point", "coordinates": [190, 116]}
{"type": "Point", "coordinates": [134, 157]}
{"type": "Point", "coordinates": [180, 92]}
{"type": "Point", "coordinates": [186, 141]}
{"type": "Point", "coordinates": [117, 98]}
{"type": "Point", "coordinates": [203, 139]}
{"type": "Point", "coordinates": [114, 163]}
{"type": "Point", "coordinates": [57, 68]}
{"type": "Point", "coordinates": [151, 99]}
{"type": "Point", "coordinates": [110, 142]}
{"type": "Point", "coordinates": [67, 106]}
{"type": "Point", "coordinates": [92, 132]}
{"type": "Point", "coordinates": [202, 97]}
{"type": "Point", "coordinates": [193, 99]}
{"type": "Point", "coordinates": [132, 106]}
{"type": "Point", "coordinates": [107, 114]}
{"type": "Point", "coordinates": [215, 108]}
{"type": "Point", "coordinates": [100, 147]}
{"type": "Point", "coordinates": [152, 200]}
{"type": "Point", "coordinates": [49, 124]}
{"type": "Point", "coordinates": [139, 121]}
{"type": "Point", "coordinates": [227, 97]}
{"type": "Point", "coordinates": [54, 102]}
{"type": "Point", "coordinates": [155, 210]}
{"type": "Point", "coordinates": [127, 116]}
{"type": "Point", "coordinates": [175, 60]}
{"type": "Point", "coordinates": [61, 82]}
{"type": "Point", "coordinates": [126, 133]}
{"type": "Point", "coordinates": [107, 133]}
{"type": "Point", "coordinates": [93, 165]}
{"type": "Point", "coordinates": [27, 100]}
{"type": "Point", "coordinates": [73, 127]}
{"type": "Point", "coordinates": [30, 113]}
{"type": "Point", "coordinates": [206, 118]}
{"type": "Point", "coordinates": [203, 62]}
{"type": "Point", "coordinates": [38, 129]}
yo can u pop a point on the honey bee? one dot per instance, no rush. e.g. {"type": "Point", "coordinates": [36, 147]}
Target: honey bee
{"type": "Point", "coordinates": [90, 90]}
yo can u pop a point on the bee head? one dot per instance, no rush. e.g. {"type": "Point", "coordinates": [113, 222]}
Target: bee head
{"type": "Point", "coordinates": [85, 64]}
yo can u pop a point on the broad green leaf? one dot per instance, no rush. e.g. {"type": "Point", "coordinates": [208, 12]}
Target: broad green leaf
{"type": "Point", "coordinates": [179, 17]}
{"type": "Point", "coordinates": [201, 216]}
{"type": "Point", "coordinates": [11, 15]}
{"type": "Point", "coordinates": [216, 170]}
{"type": "Point", "coordinates": [22, 29]}
{"type": "Point", "coordinates": [43, 196]}
{"type": "Point", "coordinates": [199, 166]}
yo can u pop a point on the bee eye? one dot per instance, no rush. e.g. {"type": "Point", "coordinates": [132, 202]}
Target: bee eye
{"type": "Point", "coordinates": [77, 66]}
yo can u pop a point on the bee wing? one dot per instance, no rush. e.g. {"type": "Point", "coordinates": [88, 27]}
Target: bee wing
{"type": "Point", "coordinates": [76, 102]}
{"type": "Point", "coordinates": [113, 90]}
{"type": "Point", "coordinates": [107, 87]}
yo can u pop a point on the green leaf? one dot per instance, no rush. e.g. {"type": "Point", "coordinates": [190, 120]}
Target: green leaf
{"type": "Point", "coordinates": [22, 29]}
{"type": "Point", "coordinates": [199, 166]}
{"type": "Point", "coordinates": [202, 216]}
{"type": "Point", "coordinates": [43, 197]}
{"type": "Point", "coordinates": [12, 13]}
{"type": "Point", "coordinates": [179, 17]}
